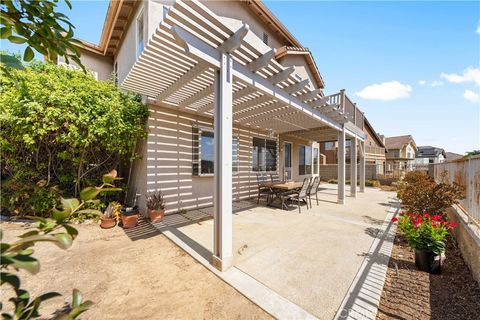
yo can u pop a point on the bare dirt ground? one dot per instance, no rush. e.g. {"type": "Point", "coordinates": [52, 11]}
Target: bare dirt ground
{"type": "Point", "coordinates": [413, 294]}
{"type": "Point", "coordinates": [149, 278]}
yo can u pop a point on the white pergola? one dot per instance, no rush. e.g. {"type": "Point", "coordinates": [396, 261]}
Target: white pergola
{"type": "Point", "coordinates": [202, 63]}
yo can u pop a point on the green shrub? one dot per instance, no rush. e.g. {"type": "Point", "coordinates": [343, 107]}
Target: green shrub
{"type": "Point", "coordinates": [22, 196]}
{"type": "Point", "coordinates": [65, 128]}
{"type": "Point", "coordinates": [421, 194]}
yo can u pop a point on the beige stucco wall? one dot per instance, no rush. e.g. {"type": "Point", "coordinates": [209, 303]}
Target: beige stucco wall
{"type": "Point", "coordinates": [239, 10]}
{"type": "Point", "coordinates": [100, 65]}
{"type": "Point", "coordinates": [301, 67]}
{"type": "Point", "coordinates": [126, 54]}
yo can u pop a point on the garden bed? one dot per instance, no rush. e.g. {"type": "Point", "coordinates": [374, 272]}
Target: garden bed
{"type": "Point", "coordinates": [411, 294]}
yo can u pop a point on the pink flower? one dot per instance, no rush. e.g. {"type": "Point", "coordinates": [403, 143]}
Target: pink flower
{"type": "Point", "coordinates": [426, 216]}
{"type": "Point", "coordinates": [394, 219]}
{"type": "Point", "coordinates": [437, 218]}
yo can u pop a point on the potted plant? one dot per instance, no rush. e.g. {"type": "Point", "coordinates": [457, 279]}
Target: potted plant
{"type": "Point", "coordinates": [129, 216]}
{"type": "Point", "coordinates": [155, 206]}
{"type": "Point", "coordinates": [108, 219]}
{"type": "Point", "coordinates": [426, 234]}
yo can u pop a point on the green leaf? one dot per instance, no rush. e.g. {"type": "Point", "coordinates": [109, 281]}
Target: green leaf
{"type": "Point", "coordinates": [89, 193]}
{"type": "Point", "coordinates": [11, 279]}
{"type": "Point", "coordinates": [60, 215]}
{"type": "Point", "coordinates": [28, 55]}
{"type": "Point", "coordinates": [64, 240]}
{"type": "Point", "coordinates": [71, 231]}
{"type": "Point", "coordinates": [22, 262]}
{"type": "Point", "coordinates": [17, 40]}
{"type": "Point", "coordinates": [11, 61]}
{"type": "Point", "coordinates": [5, 32]}
{"type": "Point", "coordinates": [76, 298]}
{"type": "Point", "coordinates": [69, 205]}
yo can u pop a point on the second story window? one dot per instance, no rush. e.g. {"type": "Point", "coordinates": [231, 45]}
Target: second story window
{"type": "Point", "coordinates": [140, 33]}
{"type": "Point", "coordinates": [265, 38]}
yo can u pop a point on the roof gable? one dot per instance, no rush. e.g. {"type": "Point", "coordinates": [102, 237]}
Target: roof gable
{"type": "Point", "coordinates": [399, 142]}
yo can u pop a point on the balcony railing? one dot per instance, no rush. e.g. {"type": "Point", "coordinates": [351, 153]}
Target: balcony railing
{"type": "Point", "coordinates": [375, 150]}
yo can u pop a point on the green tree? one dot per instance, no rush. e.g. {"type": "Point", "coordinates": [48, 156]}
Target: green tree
{"type": "Point", "coordinates": [38, 24]}
{"type": "Point", "coordinates": [61, 127]}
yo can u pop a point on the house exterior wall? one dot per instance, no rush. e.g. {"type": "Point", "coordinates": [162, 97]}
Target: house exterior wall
{"type": "Point", "coordinates": [126, 54]}
{"type": "Point", "coordinates": [301, 67]}
{"type": "Point", "coordinates": [166, 162]}
{"type": "Point", "coordinates": [101, 66]}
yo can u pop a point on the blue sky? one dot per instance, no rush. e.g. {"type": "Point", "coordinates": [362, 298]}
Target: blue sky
{"type": "Point", "coordinates": [423, 58]}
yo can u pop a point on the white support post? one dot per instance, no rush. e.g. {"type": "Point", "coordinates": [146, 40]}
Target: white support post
{"type": "Point", "coordinates": [222, 248]}
{"type": "Point", "coordinates": [362, 166]}
{"type": "Point", "coordinates": [353, 167]}
{"type": "Point", "coordinates": [341, 166]}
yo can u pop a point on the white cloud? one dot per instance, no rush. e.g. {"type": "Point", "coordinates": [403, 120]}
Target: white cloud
{"type": "Point", "coordinates": [471, 96]}
{"type": "Point", "coordinates": [478, 28]}
{"type": "Point", "coordinates": [469, 75]}
{"type": "Point", "coordinates": [422, 82]}
{"type": "Point", "coordinates": [385, 91]}
{"type": "Point", "coordinates": [436, 84]}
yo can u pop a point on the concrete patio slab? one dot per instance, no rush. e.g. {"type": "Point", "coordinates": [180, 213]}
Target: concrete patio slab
{"type": "Point", "coordinates": [311, 259]}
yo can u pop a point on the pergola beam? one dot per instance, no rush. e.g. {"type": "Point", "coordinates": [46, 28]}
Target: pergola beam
{"type": "Point", "coordinates": [235, 41]}
{"type": "Point", "coordinates": [198, 96]}
{"type": "Point", "coordinates": [205, 52]}
{"type": "Point", "coordinates": [187, 77]}
{"type": "Point", "coordinates": [262, 61]}
{"type": "Point", "coordinates": [281, 76]}
{"type": "Point", "coordinates": [294, 88]}
{"type": "Point", "coordinates": [311, 95]}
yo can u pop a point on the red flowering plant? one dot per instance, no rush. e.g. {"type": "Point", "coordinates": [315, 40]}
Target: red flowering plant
{"type": "Point", "coordinates": [425, 232]}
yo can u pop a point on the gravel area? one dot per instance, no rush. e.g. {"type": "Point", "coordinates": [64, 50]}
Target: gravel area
{"type": "Point", "coordinates": [139, 275]}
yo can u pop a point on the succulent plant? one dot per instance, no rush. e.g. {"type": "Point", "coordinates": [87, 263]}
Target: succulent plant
{"type": "Point", "coordinates": [155, 200]}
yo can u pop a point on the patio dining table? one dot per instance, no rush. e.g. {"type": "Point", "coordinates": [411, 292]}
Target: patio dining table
{"type": "Point", "coordinates": [280, 189]}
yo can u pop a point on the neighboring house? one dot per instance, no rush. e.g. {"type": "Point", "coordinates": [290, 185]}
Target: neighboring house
{"type": "Point", "coordinates": [231, 93]}
{"type": "Point", "coordinates": [428, 154]}
{"type": "Point", "coordinates": [375, 154]}
{"type": "Point", "coordinates": [400, 155]}
{"type": "Point", "coordinates": [452, 156]}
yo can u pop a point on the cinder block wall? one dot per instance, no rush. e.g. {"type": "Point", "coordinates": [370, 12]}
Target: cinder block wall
{"type": "Point", "coordinates": [468, 239]}
{"type": "Point", "coordinates": [330, 171]}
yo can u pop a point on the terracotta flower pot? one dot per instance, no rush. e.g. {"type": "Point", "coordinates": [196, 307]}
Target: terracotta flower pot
{"type": "Point", "coordinates": [428, 261]}
{"type": "Point", "coordinates": [107, 223]}
{"type": "Point", "coordinates": [129, 221]}
{"type": "Point", "coordinates": [156, 215]}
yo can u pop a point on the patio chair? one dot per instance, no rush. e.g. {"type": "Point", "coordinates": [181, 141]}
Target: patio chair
{"type": "Point", "coordinates": [275, 177]}
{"type": "Point", "coordinates": [313, 190]}
{"type": "Point", "coordinates": [263, 191]}
{"type": "Point", "coordinates": [301, 195]}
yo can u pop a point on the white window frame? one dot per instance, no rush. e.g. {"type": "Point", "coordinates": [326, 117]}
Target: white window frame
{"type": "Point", "coordinates": [265, 158]}
{"type": "Point", "coordinates": [199, 153]}
{"type": "Point", "coordinates": [142, 16]}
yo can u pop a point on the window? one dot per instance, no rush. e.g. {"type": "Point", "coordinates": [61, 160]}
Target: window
{"type": "Point", "coordinates": [329, 145]}
{"type": "Point", "coordinates": [315, 160]}
{"type": "Point", "coordinates": [203, 152]}
{"type": "Point", "coordinates": [265, 38]}
{"type": "Point", "coordinates": [140, 39]}
{"type": "Point", "coordinates": [304, 160]}
{"type": "Point", "coordinates": [165, 11]}
{"type": "Point", "coordinates": [264, 155]}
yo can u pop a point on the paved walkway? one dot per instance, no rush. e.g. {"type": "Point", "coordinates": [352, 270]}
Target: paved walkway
{"type": "Point", "coordinates": [314, 261]}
